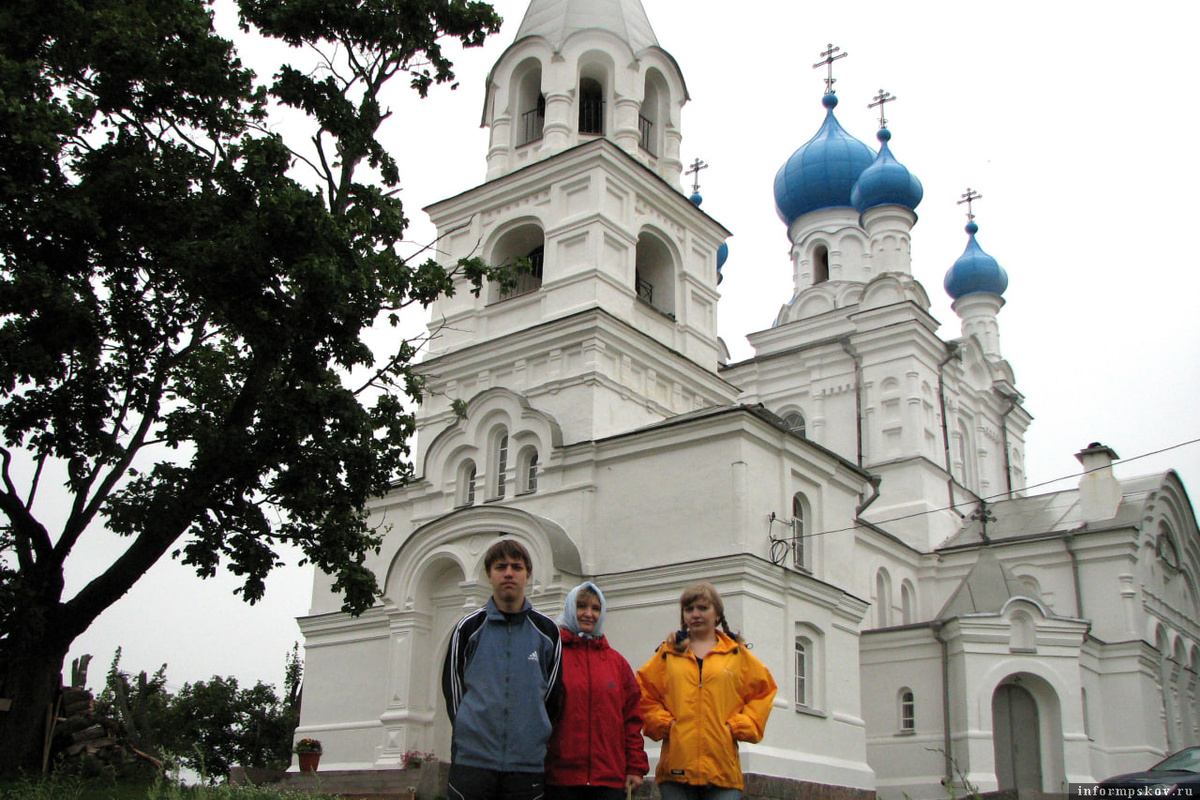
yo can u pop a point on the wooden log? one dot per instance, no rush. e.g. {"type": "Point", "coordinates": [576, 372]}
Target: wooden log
{"type": "Point", "coordinates": [75, 709]}
{"type": "Point", "coordinates": [74, 696]}
{"type": "Point", "coordinates": [88, 734]}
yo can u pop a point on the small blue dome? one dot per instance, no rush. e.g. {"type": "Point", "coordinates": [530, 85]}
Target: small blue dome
{"type": "Point", "coordinates": [821, 174]}
{"type": "Point", "coordinates": [722, 254]}
{"type": "Point", "coordinates": [696, 199]}
{"type": "Point", "coordinates": [886, 182]}
{"type": "Point", "coordinates": [975, 272]}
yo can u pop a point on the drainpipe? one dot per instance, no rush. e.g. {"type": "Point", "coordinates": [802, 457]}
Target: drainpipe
{"type": "Point", "coordinates": [1069, 540]}
{"type": "Point", "coordinates": [948, 779]}
{"type": "Point", "coordinates": [858, 382]}
{"type": "Point", "coordinates": [952, 352]}
{"type": "Point", "coordinates": [1012, 404]}
{"type": "Point", "coordinates": [874, 480]}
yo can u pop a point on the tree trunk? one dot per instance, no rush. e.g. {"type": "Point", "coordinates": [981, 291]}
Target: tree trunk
{"type": "Point", "coordinates": [31, 679]}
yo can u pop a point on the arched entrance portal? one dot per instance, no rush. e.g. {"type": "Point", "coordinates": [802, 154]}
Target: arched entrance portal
{"type": "Point", "coordinates": [1016, 737]}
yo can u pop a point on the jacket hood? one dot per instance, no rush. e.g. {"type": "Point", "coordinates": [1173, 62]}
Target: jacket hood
{"type": "Point", "coordinates": [569, 622]}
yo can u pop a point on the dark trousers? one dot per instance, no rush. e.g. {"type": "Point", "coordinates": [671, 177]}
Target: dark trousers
{"type": "Point", "coordinates": [473, 783]}
{"type": "Point", "coordinates": [583, 793]}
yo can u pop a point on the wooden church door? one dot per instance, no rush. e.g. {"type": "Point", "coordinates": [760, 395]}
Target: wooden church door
{"type": "Point", "coordinates": [1017, 741]}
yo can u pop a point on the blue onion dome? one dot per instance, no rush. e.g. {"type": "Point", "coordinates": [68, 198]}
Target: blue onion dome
{"type": "Point", "coordinates": [886, 182]}
{"type": "Point", "coordinates": [821, 174]}
{"type": "Point", "coordinates": [722, 254]}
{"type": "Point", "coordinates": [696, 199]}
{"type": "Point", "coordinates": [975, 272]}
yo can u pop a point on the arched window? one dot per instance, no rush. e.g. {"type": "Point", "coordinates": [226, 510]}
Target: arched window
{"type": "Point", "coordinates": [803, 665]}
{"type": "Point", "coordinates": [1023, 634]}
{"type": "Point", "coordinates": [820, 264]}
{"type": "Point", "coordinates": [908, 711]}
{"type": "Point", "coordinates": [908, 603]}
{"type": "Point", "coordinates": [883, 598]}
{"type": "Point", "coordinates": [501, 462]}
{"type": "Point", "coordinates": [794, 422]}
{"type": "Point", "coordinates": [654, 274]}
{"type": "Point", "coordinates": [524, 245]}
{"type": "Point", "coordinates": [466, 484]}
{"type": "Point", "coordinates": [591, 106]}
{"type": "Point", "coordinates": [799, 531]}
{"type": "Point", "coordinates": [527, 470]}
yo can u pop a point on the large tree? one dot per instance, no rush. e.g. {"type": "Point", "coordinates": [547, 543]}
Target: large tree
{"type": "Point", "coordinates": [183, 293]}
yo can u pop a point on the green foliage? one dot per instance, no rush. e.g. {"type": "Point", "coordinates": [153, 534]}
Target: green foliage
{"type": "Point", "coordinates": [179, 306]}
{"type": "Point", "coordinates": [207, 726]}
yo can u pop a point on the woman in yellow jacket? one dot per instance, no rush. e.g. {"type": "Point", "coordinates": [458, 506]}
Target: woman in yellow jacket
{"type": "Point", "coordinates": [702, 693]}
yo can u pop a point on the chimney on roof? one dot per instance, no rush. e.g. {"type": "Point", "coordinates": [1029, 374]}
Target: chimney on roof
{"type": "Point", "coordinates": [1099, 490]}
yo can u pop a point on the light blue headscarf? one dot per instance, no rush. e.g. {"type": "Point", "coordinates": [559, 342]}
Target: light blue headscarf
{"type": "Point", "coordinates": [568, 620]}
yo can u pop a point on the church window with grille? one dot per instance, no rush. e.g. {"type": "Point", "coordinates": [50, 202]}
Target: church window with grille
{"type": "Point", "coordinates": [527, 470]}
{"type": "Point", "coordinates": [908, 711]}
{"type": "Point", "coordinates": [501, 464]}
{"type": "Point", "coordinates": [466, 484]}
{"type": "Point", "coordinates": [799, 531]}
{"type": "Point", "coordinates": [803, 656]}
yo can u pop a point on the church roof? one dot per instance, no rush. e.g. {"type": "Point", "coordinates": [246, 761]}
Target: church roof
{"type": "Point", "coordinates": [1053, 513]}
{"type": "Point", "coordinates": [556, 20]}
{"type": "Point", "coordinates": [985, 590]}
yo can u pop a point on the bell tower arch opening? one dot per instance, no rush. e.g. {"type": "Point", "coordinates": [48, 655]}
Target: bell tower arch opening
{"type": "Point", "coordinates": [655, 273]}
{"type": "Point", "coordinates": [524, 241]}
{"type": "Point", "coordinates": [595, 86]}
{"type": "Point", "coordinates": [529, 103]}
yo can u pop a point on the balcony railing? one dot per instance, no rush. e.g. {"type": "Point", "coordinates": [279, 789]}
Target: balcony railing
{"type": "Point", "coordinates": [645, 290]}
{"type": "Point", "coordinates": [591, 116]}
{"type": "Point", "coordinates": [646, 135]}
{"type": "Point", "coordinates": [532, 123]}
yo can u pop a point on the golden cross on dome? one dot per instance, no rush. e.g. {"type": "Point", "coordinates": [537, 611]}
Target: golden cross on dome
{"type": "Point", "coordinates": [829, 58]}
{"type": "Point", "coordinates": [880, 99]}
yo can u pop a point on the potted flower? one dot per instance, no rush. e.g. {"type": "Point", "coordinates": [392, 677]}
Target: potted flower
{"type": "Point", "coordinates": [309, 752]}
{"type": "Point", "coordinates": [413, 759]}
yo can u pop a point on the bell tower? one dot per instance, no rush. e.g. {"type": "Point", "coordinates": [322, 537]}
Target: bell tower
{"type": "Point", "coordinates": [615, 326]}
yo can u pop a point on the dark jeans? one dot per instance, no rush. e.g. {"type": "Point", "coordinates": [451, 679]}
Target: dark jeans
{"type": "Point", "coordinates": [583, 793]}
{"type": "Point", "coordinates": [682, 791]}
{"type": "Point", "coordinates": [473, 783]}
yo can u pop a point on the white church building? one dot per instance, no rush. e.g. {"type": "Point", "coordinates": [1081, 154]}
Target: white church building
{"type": "Point", "coordinates": [855, 489]}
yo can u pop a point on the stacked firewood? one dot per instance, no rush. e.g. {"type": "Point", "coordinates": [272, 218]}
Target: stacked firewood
{"type": "Point", "coordinates": [84, 738]}
{"type": "Point", "coordinates": [79, 730]}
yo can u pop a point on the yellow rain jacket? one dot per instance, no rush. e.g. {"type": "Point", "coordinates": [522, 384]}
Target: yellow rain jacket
{"type": "Point", "coordinates": [687, 708]}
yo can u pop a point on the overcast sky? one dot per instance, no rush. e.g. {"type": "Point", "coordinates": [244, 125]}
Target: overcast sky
{"type": "Point", "coordinates": [1074, 121]}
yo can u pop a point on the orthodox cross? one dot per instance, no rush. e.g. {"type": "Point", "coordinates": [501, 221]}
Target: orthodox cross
{"type": "Point", "coordinates": [829, 57]}
{"type": "Point", "coordinates": [880, 99]}
{"type": "Point", "coordinates": [697, 165]}
{"type": "Point", "coordinates": [983, 515]}
{"type": "Point", "coordinates": [970, 197]}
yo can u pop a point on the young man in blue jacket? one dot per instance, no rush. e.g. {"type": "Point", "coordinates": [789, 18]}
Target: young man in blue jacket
{"type": "Point", "coordinates": [503, 685]}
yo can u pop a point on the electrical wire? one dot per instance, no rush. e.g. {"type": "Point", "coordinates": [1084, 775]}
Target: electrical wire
{"type": "Point", "coordinates": [1000, 496]}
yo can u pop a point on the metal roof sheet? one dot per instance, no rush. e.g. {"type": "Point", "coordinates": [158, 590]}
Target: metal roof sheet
{"type": "Point", "coordinates": [556, 20]}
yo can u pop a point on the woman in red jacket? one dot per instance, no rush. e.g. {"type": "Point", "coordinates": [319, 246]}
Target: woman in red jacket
{"type": "Point", "coordinates": [596, 750]}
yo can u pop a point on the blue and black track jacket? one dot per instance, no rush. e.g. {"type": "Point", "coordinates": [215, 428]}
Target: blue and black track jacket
{"type": "Point", "coordinates": [503, 685]}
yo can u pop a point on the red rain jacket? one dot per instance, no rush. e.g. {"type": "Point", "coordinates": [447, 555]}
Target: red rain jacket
{"type": "Point", "coordinates": [598, 739]}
